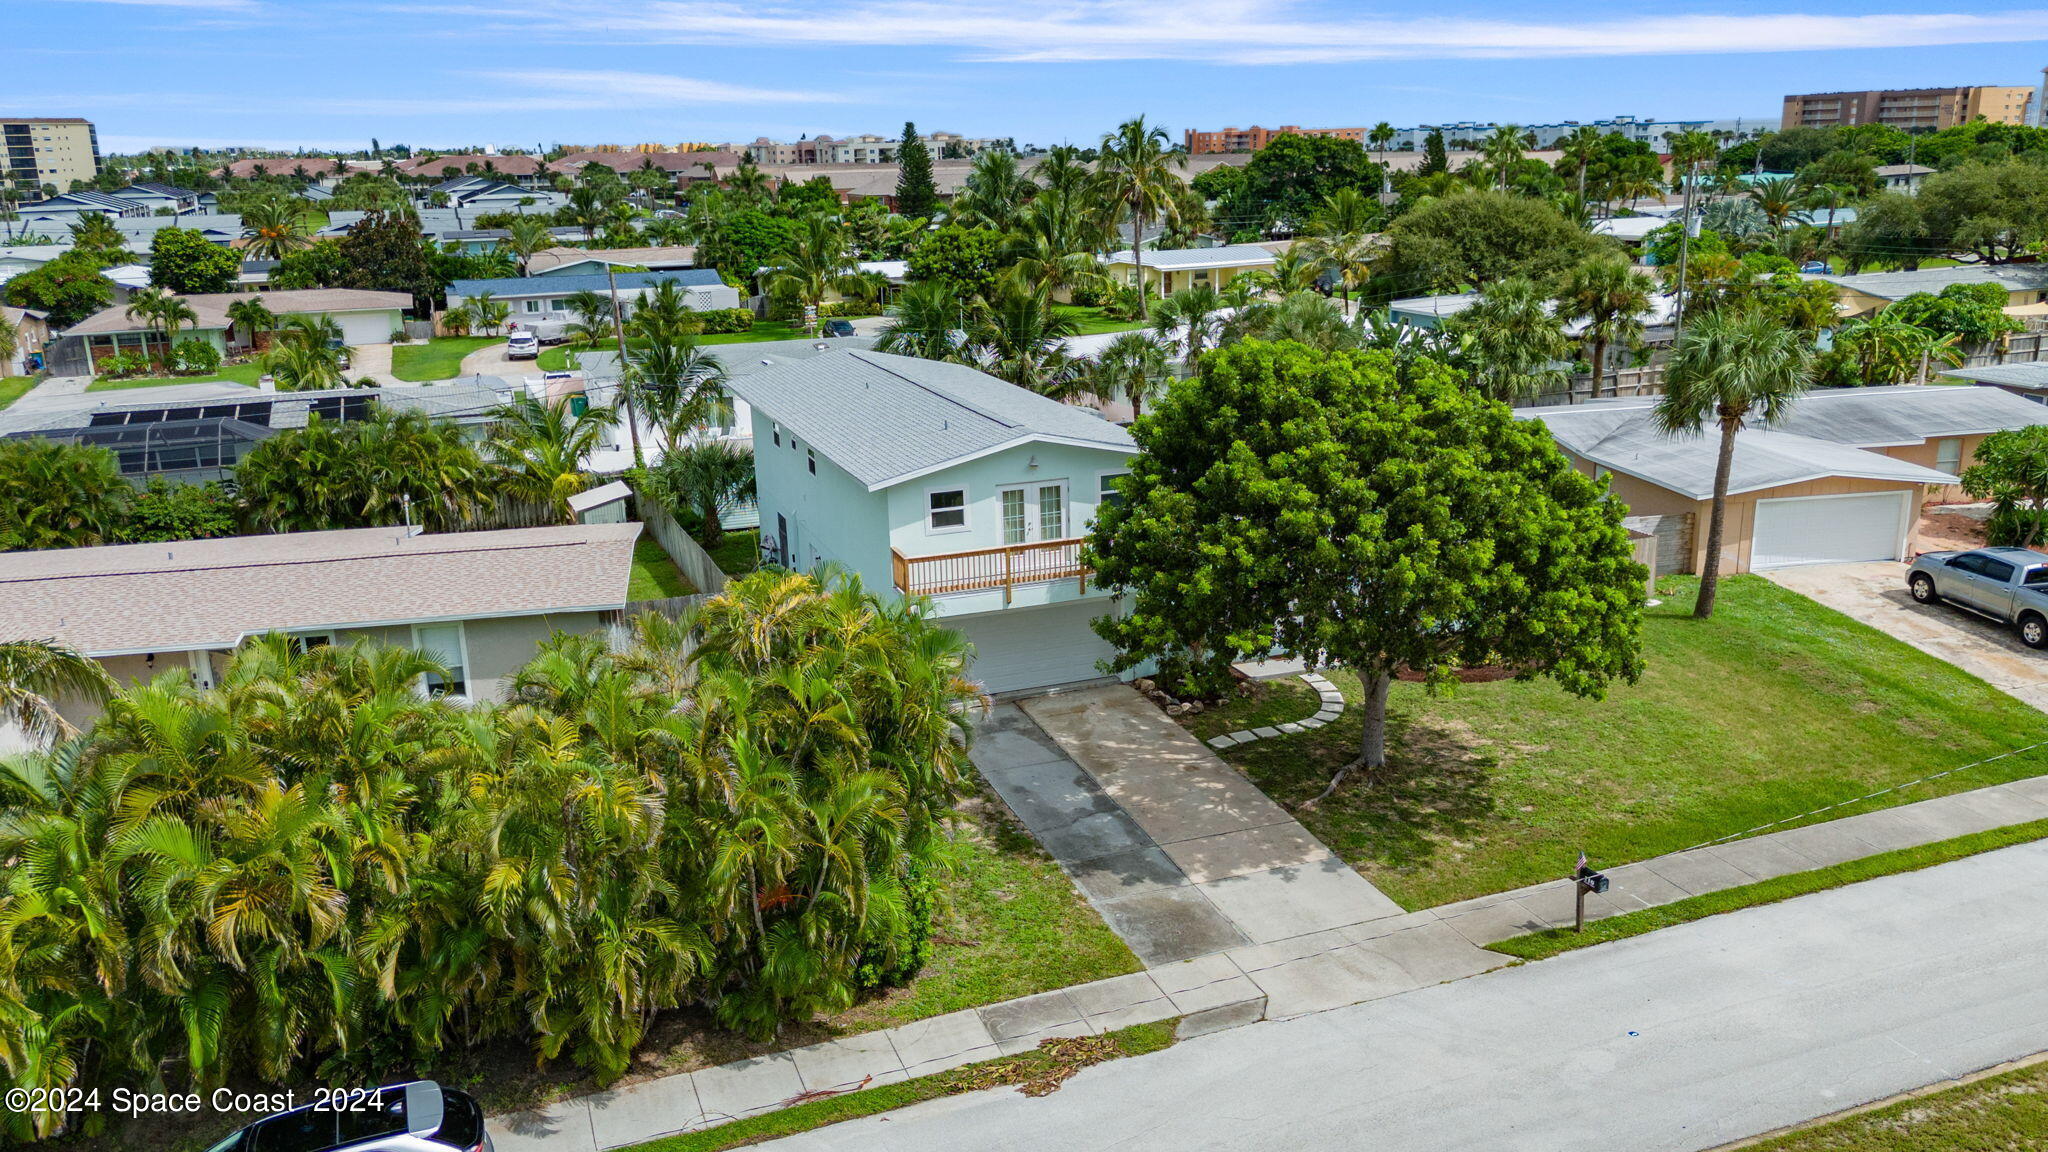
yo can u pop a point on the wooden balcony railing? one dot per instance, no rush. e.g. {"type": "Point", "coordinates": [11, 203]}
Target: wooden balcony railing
{"type": "Point", "coordinates": [986, 568]}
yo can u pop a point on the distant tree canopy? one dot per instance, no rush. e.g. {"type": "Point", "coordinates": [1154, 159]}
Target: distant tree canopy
{"type": "Point", "coordinates": [1287, 181]}
{"type": "Point", "coordinates": [183, 261]}
{"type": "Point", "coordinates": [1471, 239]}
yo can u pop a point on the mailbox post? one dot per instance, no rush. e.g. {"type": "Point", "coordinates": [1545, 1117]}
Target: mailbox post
{"type": "Point", "coordinates": [1586, 880]}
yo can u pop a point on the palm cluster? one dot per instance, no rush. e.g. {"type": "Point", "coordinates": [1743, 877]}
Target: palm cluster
{"type": "Point", "coordinates": [314, 862]}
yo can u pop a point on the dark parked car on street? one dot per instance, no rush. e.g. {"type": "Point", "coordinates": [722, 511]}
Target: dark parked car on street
{"type": "Point", "coordinates": [2008, 584]}
{"type": "Point", "coordinates": [838, 327]}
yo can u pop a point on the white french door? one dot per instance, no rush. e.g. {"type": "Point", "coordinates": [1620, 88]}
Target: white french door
{"type": "Point", "coordinates": [1033, 512]}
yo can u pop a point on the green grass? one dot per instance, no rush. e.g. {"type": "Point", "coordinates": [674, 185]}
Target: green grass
{"type": "Point", "coordinates": [1540, 945]}
{"type": "Point", "coordinates": [1093, 322]}
{"type": "Point", "coordinates": [1774, 707]}
{"type": "Point", "coordinates": [1037, 1065]}
{"type": "Point", "coordinates": [655, 576]}
{"type": "Point", "coordinates": [557, 357]}
{"type": "Point", "coordinates": [738, 553]}
{"type": "Point", "coordinates": [233, 373]}
{"type": "Point", "coordinates": [13, 388]}
{"type": "Point", "coordinates": [2007, 1112]}
{"type": "Point", "coordinates": [436, 359]}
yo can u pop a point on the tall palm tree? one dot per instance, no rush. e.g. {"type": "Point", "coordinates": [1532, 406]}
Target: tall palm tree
{"type": "Point", "coordinates": [994, 192]}
{"type": "Point", "coordinates": [817, 260]}
{"type": "Point", "coordinates": [1133, 367]}
{"type": "Point", "coordinates": [1340, 237]}
{"type": "Point", "coordinates": [1728, 369]}
{"type": "Point", "coordinates": [1512, 339]}
{"type": "Point", "coordinates": [252, 316]}
{"type": "Point", "coordinates": [542, 448]}
{"type": "Point", "coordinates": [525, 236]}
{"type": "Point", "coordinates": [678, 384]}
{"type": "Point", "coordinates": [1382, 134]}
{"type": "Point", "coordinates": [1580, 148]}
{"type": "Point", "coordinates": [1612, 298]}
{"type": "Point", "coordinates": [1187, 322]}
{"type": "Point", "coordinates": [37, 675]}
{"type": "Point", "coordinates": [1138, 173]}
{"type": "Point", "coordinates": [1504, 149]}
{"type": "Point", "coordinates": [1779, 198]}
{"type": "Point", "coordinates": [274, 227]}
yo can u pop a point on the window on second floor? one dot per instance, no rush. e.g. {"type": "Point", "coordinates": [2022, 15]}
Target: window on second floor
{"type": "Point", "coordinates": [1107, 495]}
{"type": "Point", "coordinates": [946, 510]}
{"type": "Point", "coordinates": [811, 459]}
{"type": "Point", "coordinates": [777, 429]}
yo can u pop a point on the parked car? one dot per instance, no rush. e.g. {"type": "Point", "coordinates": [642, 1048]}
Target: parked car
{"type": "Point", "coordinates": [838, 327]}
{"type": "Point", "coordinates": [2007, 584]}
{"type": "Point", "coordinates": [420, 1116]}
{"type": "Point", "coordinates": [522, 346]}
{"type": "Point", "coordinates": [1817, 266]}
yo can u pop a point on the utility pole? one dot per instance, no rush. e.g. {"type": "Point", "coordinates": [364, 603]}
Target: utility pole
{"type": "Point", "coordinates": [625, 381]}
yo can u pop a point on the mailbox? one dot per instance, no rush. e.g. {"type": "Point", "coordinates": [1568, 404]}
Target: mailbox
{"type": "Point", "coordinates": [1591, 881]}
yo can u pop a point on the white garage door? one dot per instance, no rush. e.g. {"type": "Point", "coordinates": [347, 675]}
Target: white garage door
{"type": "Point", "coordinates": [1019, 649]}
{"type": "Point", "coordinates": [359, 328]}
{"type": "Point", "coordinates": [1828, 529]}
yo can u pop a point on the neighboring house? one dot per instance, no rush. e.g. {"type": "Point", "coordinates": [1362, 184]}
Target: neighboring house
{"type": "Point", "coordinates": [223, 228]}
{"type": "Point", "coordinates": [62, 211]}
{"type": "Point", "coordinates": [1902, 177]}
{"type": "Point", "coordinates": [1168, 270]}
{"type": "Point", "coordinates": [364, 317]}
{"type": "Point", "coordinates": [593, 261]}
{"type": "Point", "coordinates": [476, 194]}
{"type": "Point", "coordinates": [539, 298]}
{"type": "Point", "coordinates": [2027, 381]}
{"type": "Point", "coordinates": [159, 196]}
{"type": "Point", "coordinates": [938, 480]}
{"type": "Point", "coordinates": [479, 602]}
{"type": "Point", "coordinates": [31, 334]}
{"type": "Point", "coordinates": [1841, 477]}
{"type": "Point", "coordinates": [1867, 293]}
{"type": "Point", "coordinates": [27, 258]}
{"type": "Point", "coordinates": [526, 171]}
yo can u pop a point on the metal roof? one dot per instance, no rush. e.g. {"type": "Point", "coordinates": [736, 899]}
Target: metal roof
{"type": "Point", "coordinates": [887, 419]}
{"type": "Point", "coordinates": [1899, 285]}
{"type": "Point", "coordinates": [514, 286]}
{"type": "Point", "coordinates": [2033, 376]}
{"type": "Point", "coordinates": [1907, 414]}
{"type": "Point", "coordinates": [1176, 259]}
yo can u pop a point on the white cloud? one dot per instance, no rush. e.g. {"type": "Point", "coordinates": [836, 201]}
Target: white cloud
{"type": "Point", "coordinates": [656, 88]}
{"type": "Point", "coordinates": [1242, 31]}
{"type": "Point", "coordinates": [216, 5]}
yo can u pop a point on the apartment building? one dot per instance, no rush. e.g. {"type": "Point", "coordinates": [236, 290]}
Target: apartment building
{"type": "Point", "coordinates": [1930, 108]}
{"type": "Point", "coordinates": [1254, 138]}
{"type": "Point", "coordinates": [53, 150]}
{"type": "Point", "coordinates": [866, 148]}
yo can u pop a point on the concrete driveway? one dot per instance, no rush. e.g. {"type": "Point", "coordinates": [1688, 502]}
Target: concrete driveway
{"type": "Point", "coordinates": [1875, 593]}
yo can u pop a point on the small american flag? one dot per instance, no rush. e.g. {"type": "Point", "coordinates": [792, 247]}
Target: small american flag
{"type": "Point", "coordinates": [1582, 863]}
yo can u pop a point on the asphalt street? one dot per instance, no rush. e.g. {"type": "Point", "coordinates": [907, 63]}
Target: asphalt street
{"type": "Point", "coordinates": [1678, 1040]}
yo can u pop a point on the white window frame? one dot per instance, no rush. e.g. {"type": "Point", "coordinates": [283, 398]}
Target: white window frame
{"type": "Point", "coordinates": [461, 645]}
{"type": "Point", "coordinates": [1102, 492]}
{"type": "Point", "coordinates": [305, 641]}
{"type": "Point", "coordinates": [966, 511]}
{"type": "Point", "coordinates": [533, 306]}
{"type": "Point", "coordinates": [1033, 519]}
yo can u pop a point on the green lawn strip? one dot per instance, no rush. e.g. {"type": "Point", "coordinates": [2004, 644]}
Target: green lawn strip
{"type": "Point", "coordinates": [1539, 945]}
{"type": "Point", "coordinates": [1092, 322]}
{"type": "Point", "coordinates": [558, 357]}
{"type": "Point", "coordinates": [232, 373]}
{"type": "Point", "coordinates": [1774, 707]}
{"type": "Point", "coordinates": [655, 576]}
{"type": "Point", "coordinates": [738, 553]}
{"type": "Point", "coordinates": [437, 359]}
{"type": "Point", "coordinates": [13, 388]}
{"type": "Point", "coordinates": [1021, 1069]}
{"type": "Point", "coordinates": [2005, 1110]}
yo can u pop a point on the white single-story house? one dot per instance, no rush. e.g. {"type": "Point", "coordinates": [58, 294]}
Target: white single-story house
{"type": "Point", "coordinates": [593, 261]}
{"type": "Point", "coordinates": [364, 317]}
{"type": "Point", "coordinates": [937, 480]}
{"type": "Point", "coordinates": [539, 298]}
{"type": "Point", "coordinates": [1168, 270]}
{"type": "Point", "coordinates": [2027, 381]}
{"type": "Point", "coordinates": [1902, 177]}
{"type": "Point", "coordinates": [1840, 477]}
{"type": "Point", "coordinates": [20, 258]}
{"type": "Point", "coordinates": [480, 602]}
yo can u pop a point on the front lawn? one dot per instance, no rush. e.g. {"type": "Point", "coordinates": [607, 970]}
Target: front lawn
{"type": "Point", "coordinates": [558, 357]}
{"type": "Point", "coordinates": [436, 359]}
{"type": "Point", "coordinates": [655, 576]}
{"type": "Point", "coordinates": [232, 373]}
{"type": "Point", "coordinates": [1774, 707]}
{"type": "Point", "coordinates": [1092, 322]}
{"type": "Point", "coordinates": [13, 388]}
{"type": "Point", "coordinates": [738, 553]}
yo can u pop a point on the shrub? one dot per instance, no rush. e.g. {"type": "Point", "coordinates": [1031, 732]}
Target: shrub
{"type": "Point", "coordinates": [123, 364]}
{"type": "Point", "coordinates": [400, 336]}
{"type": "Point", "coordinates": [899, 944]}
{"type": "Point", "coordinates": [851, 308]}
{"type": "Point", "coordinates": [722, 320]}
{"type": "Point", "coordinates": [194, 357]}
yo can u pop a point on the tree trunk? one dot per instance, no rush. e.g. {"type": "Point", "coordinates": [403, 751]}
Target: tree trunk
{"type": "Point", "coordinates": [1599, 362]}
{"type": "Point", "coordinates": [1710, 569]}
{"type": "Point", "coordinates": [1372, 740]}
{"type": "Point", "coordinates": [1138, 258]}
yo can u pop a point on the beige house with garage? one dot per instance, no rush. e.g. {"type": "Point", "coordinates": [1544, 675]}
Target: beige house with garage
{"type": "Point", "coordinates": [479, 602]}
{"type": "Point", "coordinates": [1840, 477]}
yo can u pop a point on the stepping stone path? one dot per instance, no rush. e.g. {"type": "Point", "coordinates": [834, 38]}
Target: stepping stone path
{"type": "Point", "coordinates": [1330, 707]}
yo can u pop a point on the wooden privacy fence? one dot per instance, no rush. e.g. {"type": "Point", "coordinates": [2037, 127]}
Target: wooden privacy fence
{"type": "Point", "coordinates": [689, 556]}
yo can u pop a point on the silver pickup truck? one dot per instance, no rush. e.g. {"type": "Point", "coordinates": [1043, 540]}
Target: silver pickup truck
{"type": "Point", "coordinates": [2009, 584]}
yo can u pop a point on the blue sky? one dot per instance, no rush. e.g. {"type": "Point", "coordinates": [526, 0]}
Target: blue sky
{"type": "Point", "coordinates": [449, 73]}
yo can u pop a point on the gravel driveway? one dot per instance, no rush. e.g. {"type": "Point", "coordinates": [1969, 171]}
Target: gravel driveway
{"type": "Point", "coordinates": [1875, 593]}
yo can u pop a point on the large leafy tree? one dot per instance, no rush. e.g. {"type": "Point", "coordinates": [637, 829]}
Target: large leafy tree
{"type": "Point", "coordinates": [1291, 180]}
{"type": "Point", "coordinates": [1994, 212]}
{"type": "Point", "coordinates": [1729, 368]}
{"type": "Point", "coordinates": [320, 265]}
{"type": "Point", "coordinates": [67, 289]}
{"type": "Point", "coordinates": [1473, 239]}
{"type": "Point", "coordinates": [916, 194]}
{"type": "Point", "coordinates": [966, 260]}
{"type": "Point", "coordinates": [183, 261]}
{"type": "Point", "coordinates": [1314, 503]}
{"type": "Point", "coordinates": [1972, 313]}
{"type": "Point", "coordinates": [385, 252]}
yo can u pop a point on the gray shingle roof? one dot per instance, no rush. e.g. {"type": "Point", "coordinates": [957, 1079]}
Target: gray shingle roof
{"type": "Point", "coordinates": [1222, 256]}
{"type": "Point", "coordinates": [886, 419]}
{"type": "Point", "coordinates": [2033, 376]}
{"type": "Point", "coordinates": [1906, 414]}
{"type": "Point", "coordinates": [567, 285]}
{"type": "Point", "coordinates": [1899, 285]}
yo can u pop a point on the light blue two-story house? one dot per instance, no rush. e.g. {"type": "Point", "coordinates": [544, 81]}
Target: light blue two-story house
{"type": "Point", "coordinates": [939, 480]}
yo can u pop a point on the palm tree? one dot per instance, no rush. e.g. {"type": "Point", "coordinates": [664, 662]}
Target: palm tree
{"type": "Point", "coordinates": [274, 227]}
{"type": "Point", "coordinates": [37, 675]}
{"type": "Point", "coordinates": [994, 192]}
{"type": "Point", "coordinates": [1304, 317]}
{"type": "Point", "coordinates": [60, 495]}
{"type": "Point", "coordinates": [161, 311]}
{"type": "Point", "coordinates": [1136, 172]}
{"type": "Point", "coordinates": [927, 321]}
{"type": "Point", "coordinates": [1186, 322]}
{"type": "Point", "coordinates": [679, 383]}
{"type": "Point", "coordinates": [1611, 298]}
{"type": "Point", "coordinates": [542, 449]}
{"type": "Point", "coordinates": [1779, 199]}
{"type": "Point", "coordinates": [1513, 340]}
{"type": "Point", "coordinates": [491, 313]}
{"type": "Point", "coordinates": [525, 236]}
{"type": "Point", "coordinates": [1382, 134]}
{"type": "Point", "coordinates": [593, 323]}
{"type": "Point", "coordinates": [1503, 150]}
{"type": "Point", "coordinates": [458, 321]}
{"type": "Point", "coordinates": [1728, 369]}
{"type": "Point", "coordinates": [252, 316]}
{"type": "Point", "coordinates": [1340, 237]}
{"type": "Point", "coordinates": [1022, 338]}
{"type": "Point", "coordinates": [1133, 367]}
{"type": "Point", "coordinates": [304, 354]}
{"type": "Point", "coordinates": [817, 260]}
{"type": "Point", "coordinates": [703, 478]}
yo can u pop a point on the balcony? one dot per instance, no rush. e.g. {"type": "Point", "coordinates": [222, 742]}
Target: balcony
{"type": "Point", "coordinates": [987, 569]}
